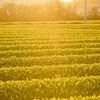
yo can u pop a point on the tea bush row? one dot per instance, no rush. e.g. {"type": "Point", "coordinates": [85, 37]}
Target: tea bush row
{"type": "Point", "coordinates": [49, 88]}
{"type": "Point", "coordinates": [41, 72]}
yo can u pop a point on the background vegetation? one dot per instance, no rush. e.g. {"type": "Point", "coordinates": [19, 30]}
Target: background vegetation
{"type": "Point", "coordinates": [45, 12]}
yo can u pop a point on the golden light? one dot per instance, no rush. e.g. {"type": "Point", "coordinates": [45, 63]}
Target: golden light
{"type": "Point", "coordinates": [66, 0]}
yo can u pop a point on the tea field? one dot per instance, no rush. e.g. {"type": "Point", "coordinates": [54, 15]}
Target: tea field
{"type": "Point", "coordinates": [49, 61]}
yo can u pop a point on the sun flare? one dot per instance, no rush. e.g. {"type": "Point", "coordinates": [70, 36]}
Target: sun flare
{"type": "Point", "coordinates": [66, 0]}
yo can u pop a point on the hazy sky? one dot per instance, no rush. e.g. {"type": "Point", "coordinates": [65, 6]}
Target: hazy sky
{"type": "Point", "coordinates": [26, 1]}
{"type": "Point", "coordinates": [29, 1]}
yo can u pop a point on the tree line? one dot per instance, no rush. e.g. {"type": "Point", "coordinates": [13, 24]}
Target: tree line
{"type": "Point", "coordinates": [51, 11]}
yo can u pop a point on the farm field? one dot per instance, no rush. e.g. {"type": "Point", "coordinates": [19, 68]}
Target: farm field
{"type": "Point", "coordinates": [52, 61]}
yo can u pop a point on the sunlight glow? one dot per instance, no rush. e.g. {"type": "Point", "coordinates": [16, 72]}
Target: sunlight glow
{"type": "Point", "coordinates": [66, 0]}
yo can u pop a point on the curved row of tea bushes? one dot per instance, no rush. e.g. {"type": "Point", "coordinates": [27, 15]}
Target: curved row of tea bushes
{"type": "Point", "coordinates": [49, 46]}
{"type": "Point", "coordinates": [50, 60]}
{"type": "Point", "coordinates": [48, 52]}
{"type": "Point", "coordinates": [74, 98]}
{"type": "Point", "coordinates": [41, 72]}
{"type": "Point", "coordinates": [49, 88]}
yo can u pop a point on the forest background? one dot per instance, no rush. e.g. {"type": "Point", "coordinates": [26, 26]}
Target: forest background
{"type": "Point", "coordinates": [53, 10]}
